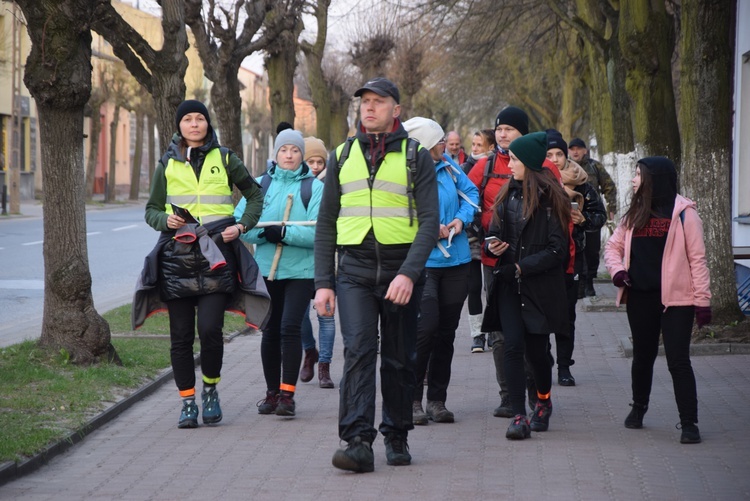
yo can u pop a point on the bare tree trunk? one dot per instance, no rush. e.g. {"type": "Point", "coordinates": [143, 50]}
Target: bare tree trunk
{"type": "Point", "coordinates": [646, 38]}
{"type": "Point", "coordinates": [706, 77]}
{"type": "Point", "coordinates": [112, 181]}
{"type": "Point", "coordinates": [339, 116]}
{"type": "Point", "coordinates": [227, 104]}
{"type": "Point", "coordinates": [318, 86]}
{"type": "Point", "coordinates": [280, 66]}
{"type": "Point", "coordinates": [70, 322]}
{"type": "Point", "coordinates": [96, 130]}
{"type": "Point", "coordinates": [135, 173]}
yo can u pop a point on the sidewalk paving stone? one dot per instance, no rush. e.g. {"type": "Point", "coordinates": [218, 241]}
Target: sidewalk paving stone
{"type": "Point", "coordinates": [586, 454]}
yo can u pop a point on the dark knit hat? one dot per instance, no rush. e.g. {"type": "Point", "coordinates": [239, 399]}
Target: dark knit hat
{"type": "Point", "coordinates": [531, 149]}
{"type": "Point", "coordinates": [191, 106]}
{"type": "Point", "coordinates": [577, 142]}
{"type": "Point", "coordinates": [515, 117]}
{"type": "Point", "coordinates": [380, 86]}
{"type": "Point", "coordinates": [283, 126]}
{"type": "Point", "coordinates": [555, 140]}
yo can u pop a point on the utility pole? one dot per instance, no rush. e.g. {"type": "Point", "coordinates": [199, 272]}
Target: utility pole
{"type": "Point", "coordinates": [14, 163]}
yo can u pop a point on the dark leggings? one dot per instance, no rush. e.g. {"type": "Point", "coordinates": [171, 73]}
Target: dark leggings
{"type": "Point", "coordinates": [591, 251]}
{"type": "Point", "coordinates": [280, 346]}
{"type": "Point", "coordinates": [647, 318]}
{"type": "Point", "coordinates": [566, 342]}
{"type": "Point", "coordinates": [517, 342]}
{"type": "Point", "coordinates": [475, 287]}
{"type": "Point", "coordinates": [440, 311]}
{"type": "Point", "coordinates": [182, 314]}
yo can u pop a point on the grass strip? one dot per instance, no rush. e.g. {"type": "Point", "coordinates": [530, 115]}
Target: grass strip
{"type": "Point", "coordinates": [44, 398]}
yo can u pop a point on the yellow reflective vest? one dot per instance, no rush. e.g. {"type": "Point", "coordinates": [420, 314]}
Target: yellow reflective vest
{"type": "Point", "coordinates": [208, 198]}
{"type": "Point", "coordinates": [384, 207]}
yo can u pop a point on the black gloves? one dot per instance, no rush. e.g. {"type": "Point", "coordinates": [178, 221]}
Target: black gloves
{"type": "Point", "coordinates": [274, 234]}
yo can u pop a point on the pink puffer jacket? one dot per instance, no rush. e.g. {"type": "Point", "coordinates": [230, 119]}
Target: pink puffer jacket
{"type": "Point", "coordinates": [684, 273]}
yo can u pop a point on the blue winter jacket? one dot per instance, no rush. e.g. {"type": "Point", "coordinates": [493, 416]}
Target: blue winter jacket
{"type": "Point", "coordinates": [297, 259]}
{"type": "Point", "coordinates": [451, 179]}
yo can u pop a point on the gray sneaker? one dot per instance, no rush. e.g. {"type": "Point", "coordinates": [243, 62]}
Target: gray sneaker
{"type": "Point", "coordinates": [437, 412]}
{"type": "Point", "coordinates": [477, 346]}
{"type": "Point", "coordinates": [419, 417]}
{"type": "Point", "coordinates": [504, 409]}
{"type": "Point", "coordinates": [357, 457]}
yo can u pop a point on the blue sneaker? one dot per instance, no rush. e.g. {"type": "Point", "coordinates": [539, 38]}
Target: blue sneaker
{"type": "Point", "coordinates": [189, 415]}
{"type": "Point", "coordinates": [211, 409]}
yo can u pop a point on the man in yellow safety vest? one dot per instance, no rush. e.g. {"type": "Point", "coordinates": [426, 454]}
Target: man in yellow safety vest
{"type": "Point", "coordinates": [380, 212]}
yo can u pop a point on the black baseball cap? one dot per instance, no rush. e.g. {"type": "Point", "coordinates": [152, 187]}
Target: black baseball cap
{"type": "Point", "coordinates": [576, 142]}
{"type": "Point", "coordinates": [380, 86]}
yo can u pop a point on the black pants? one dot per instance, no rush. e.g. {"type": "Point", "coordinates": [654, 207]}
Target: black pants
{"type": "Point", "coordinates": [182, 313]}
{"type": "Point", "coordinates": [442, 301]}
{"type": "Point", "coordinates": [496, 341]}
{"type": "Point", "coordinates": [517, 342]}
{"type": "Point", "coordinates": [280, 346]}
{"type": "Point", "coordinates": [475, 287]}
{"type": "Point", "coordinates": [566, 343]}
{"type": "Point", "coordinates": [647, 318]}
{"type": "Point", "coordinates": [591, 252]}
{"type": "Point", "coordinates": [362, 309]}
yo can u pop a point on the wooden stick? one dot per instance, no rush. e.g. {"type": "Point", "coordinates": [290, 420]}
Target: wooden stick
{"type": "Point", "coordinates": [280, 246]}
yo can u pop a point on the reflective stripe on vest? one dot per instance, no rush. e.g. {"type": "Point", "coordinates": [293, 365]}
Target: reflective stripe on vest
{"type": "Point", "coordinates": [208, 199]}
{"type": "Point", "coordinates": [384, 208]}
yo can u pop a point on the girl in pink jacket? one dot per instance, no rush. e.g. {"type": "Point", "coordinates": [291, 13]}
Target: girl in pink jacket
{"type": "Point", "coordinates": [657, 259]}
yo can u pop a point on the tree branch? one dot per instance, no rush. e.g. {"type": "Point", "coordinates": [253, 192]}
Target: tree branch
{"type": "Point", "coordinates": [127, 44]}
{"type": "Point", "coordinates": [589, 34]}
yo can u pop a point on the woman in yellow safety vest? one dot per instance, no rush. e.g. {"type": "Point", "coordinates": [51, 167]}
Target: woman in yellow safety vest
{"type": "Point", "coordinates": [191, 204]}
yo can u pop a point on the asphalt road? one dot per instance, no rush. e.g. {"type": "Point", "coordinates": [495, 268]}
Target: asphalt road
{"type": "Point", "coordinates": [118, 240]}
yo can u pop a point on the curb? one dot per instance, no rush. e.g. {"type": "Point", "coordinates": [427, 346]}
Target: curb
{"type": "Point", "coordinates": [696, 350]}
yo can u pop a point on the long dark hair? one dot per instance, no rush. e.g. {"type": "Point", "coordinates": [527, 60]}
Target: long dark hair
{"type": "Point", "coordinates": [640, 210]}
{"type": "Point", "coordinates": [537, 184]}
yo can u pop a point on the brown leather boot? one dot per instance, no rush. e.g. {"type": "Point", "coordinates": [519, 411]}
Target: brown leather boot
{"type": "Point", "coordinates": [308, 366]}
{"type": "Point", "coordinates": [324, 375]}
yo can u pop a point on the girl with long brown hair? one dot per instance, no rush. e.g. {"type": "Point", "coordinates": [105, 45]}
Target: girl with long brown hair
{"type": "Point", "coordinates": [529, 233]}
{"type": "Point", "coordinates": [657, 259]}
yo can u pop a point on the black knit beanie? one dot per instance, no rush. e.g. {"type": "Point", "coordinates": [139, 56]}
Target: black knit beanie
{"type": "Point", "coordinates": [515, 117]}
{"type": "Point", "coordinates": [531, 149]}
{"type": "Point", "coordinates": [555, 140]}
{"type": "Point", "coordinates": [191, 106]}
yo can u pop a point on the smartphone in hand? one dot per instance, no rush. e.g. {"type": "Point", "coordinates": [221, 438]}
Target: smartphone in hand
{"type": "Point", "coordinates": [574, 205]}
{"type": "Point", "coordinates": [184, 214]}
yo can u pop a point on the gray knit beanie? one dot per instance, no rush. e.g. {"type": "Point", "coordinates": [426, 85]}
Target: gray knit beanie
{"type": "Point", "coordinates": [288, 136]}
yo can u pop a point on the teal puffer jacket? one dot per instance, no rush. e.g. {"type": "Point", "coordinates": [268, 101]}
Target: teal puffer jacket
{"type": "Point", "coordinates": [297, 259]}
